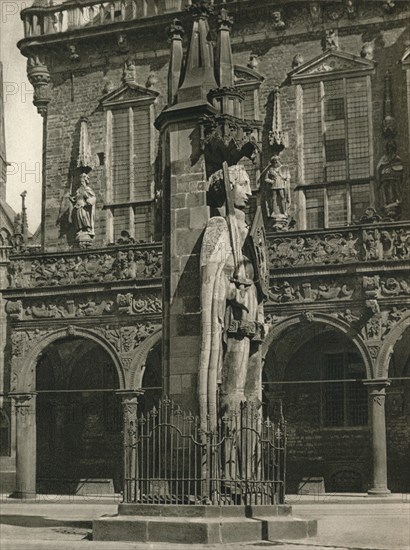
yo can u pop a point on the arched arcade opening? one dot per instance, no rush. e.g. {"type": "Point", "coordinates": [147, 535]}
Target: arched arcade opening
{"type": "Point", "coordinates": [398, 416]}
{"type": "Point", "coordinates": [79, 418]}
{"type": "Point", "coordinates": [316, 372]}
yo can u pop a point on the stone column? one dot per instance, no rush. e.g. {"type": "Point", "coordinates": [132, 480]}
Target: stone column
{"type": "Point", "coordinates": [25, 407]}
{"type": "Point", "coordinates": [377, 394]}
{"type": "Point", "coordinates": [185, 210]}
{"type": "Point", "coordinates": [130, 408]}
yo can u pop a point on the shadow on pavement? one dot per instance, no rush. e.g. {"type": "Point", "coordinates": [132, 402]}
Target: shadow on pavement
{"type": "Point", "coordinates": [41, 521]}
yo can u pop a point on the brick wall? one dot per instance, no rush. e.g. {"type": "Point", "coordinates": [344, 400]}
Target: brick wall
{"type": "Point", "coordinates": [101, 63]}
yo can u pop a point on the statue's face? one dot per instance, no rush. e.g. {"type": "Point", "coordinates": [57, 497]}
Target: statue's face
{"type": "Point", "coordinates": [241, 191]}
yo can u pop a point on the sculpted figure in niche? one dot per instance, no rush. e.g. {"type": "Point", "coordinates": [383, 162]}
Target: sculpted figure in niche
{"type": "Point", "coordinates": [232, 301]}
{"type": "Point", "coordinates": [277, 183]}
{"type": "Point", "coordinates": [82, 213]}
{"type": "Point", "coordinates": [390, 173]}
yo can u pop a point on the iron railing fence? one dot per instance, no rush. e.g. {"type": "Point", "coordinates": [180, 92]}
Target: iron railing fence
{"type": "Point", "coordinates": [171, 459]}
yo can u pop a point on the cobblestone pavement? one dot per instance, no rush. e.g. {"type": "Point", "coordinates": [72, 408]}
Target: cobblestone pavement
{"type": "Point", "coordinates": [39, 526]}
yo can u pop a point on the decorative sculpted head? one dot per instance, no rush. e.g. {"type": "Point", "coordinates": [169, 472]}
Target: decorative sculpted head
{"type": "Point", "coordinates": [240, 185]}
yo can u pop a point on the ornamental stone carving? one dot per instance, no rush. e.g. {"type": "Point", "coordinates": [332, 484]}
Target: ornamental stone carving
{"type": "Point", "coordinates": [278, 23]}
{"type": "Point", "coordinates": [333, 248]}
{"type": "Point", "coordinates": [23, 341]}
{"type": "Point", "coordinates": [39, 77]}
{"type": "Point", "coordinates": [348, 316]}
{"type": "Point", "coordinates": [310, 291]}
{"type": "Point", "coordinates": [126, 339]}
{"type": "Point", "coordinates": [132, 263]}
{"type": "Point", "coordinates": [370, 244]}
{"type": "Point", "coordinates": [14, 309]}
{"type": "Point", "coordinates": [81, 307]}
{"type": "Point", "coordinates": [395, 286]}
{"type": "Point", "coordinates": [131, 304]}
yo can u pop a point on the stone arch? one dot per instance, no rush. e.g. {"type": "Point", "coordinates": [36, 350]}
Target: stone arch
{"type": "Point", "coordinates": [386, 350]}
{"type": "Point", "coordinates": [29, 362]}
{"type": "Point", "coordinates": [328, 320]}
{"type": "Point", "coordinates": [137, 367]}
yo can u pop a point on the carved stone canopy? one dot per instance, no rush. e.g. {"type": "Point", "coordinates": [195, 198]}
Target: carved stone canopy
{"type": "Point", "coordinates": [226, 139]}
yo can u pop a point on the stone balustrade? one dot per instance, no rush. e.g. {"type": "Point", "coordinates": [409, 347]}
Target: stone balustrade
{"type": "Point", "coordinates": [62, 16]}
{"type": "Point", "coordinates": [365, 243]}
{"type": "Point", "coordinates": [110, 264]}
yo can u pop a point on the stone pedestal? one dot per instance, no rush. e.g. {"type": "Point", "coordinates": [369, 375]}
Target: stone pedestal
{"type": "Point", "coordinates": [377, 394]}
{"type": "Point", "coordinates": [25, 407]}
{"type": "Point", "coordinates": [201, 524]}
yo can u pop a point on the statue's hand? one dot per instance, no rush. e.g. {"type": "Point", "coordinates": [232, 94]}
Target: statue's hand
{"type": "Point", "coordinates": [239, 305]}
{"type": "Point", "coordinates": [237, 298]}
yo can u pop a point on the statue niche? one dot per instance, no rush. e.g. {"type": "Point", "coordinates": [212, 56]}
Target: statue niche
{"type": "Point", "coordinates": [277, 189]}
{"type": "Point", "coordinates": [390, 176]}
{"type": "Point", "coordinates": [233, 262]}
{"type": "Point", "coordinates": [82, 212]}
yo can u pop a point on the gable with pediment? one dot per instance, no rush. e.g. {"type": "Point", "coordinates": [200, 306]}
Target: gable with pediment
{"type": "Point", "coordinates": [128, 94]}
{"type": "Point", "coordinates": [332, 64]}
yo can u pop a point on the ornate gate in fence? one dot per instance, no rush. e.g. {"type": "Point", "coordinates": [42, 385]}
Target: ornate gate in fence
{"type": "Point", "coordinates": [169, 459]}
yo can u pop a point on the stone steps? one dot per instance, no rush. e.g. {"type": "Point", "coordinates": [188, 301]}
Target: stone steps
{"type": "Point", "coordinates": [201, 524]}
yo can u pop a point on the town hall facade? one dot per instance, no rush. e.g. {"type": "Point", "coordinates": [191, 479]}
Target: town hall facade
{"type": "Point", "coordinates": [106, 304]}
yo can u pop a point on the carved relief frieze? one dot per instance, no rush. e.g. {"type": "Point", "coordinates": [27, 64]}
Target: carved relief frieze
{"type": "Point", "coordinates": [310, 291]}
{"type": "Point", "coordinates": [84, 306]}
{"type": "Point", "coordinates": [375, 287]}
{"type": "Point", "coordinates": [380, 243]}
{"type": "Point", "coordinates": [41, 271]}
{"type": "Point", "coordinates": [395, 286]}
{"type": "Point", "coordinates": [334, 248]}
{"type": "Point", "coordinates": [369, 289]}
{"type": "Point", "coordinates": [131, 304]}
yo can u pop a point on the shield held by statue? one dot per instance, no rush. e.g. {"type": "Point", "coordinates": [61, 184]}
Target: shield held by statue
{"type": "Point", "coordinates": [256, 245]}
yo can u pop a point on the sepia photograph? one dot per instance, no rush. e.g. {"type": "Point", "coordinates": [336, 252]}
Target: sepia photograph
{"type": "Point", "coordinates": [204, 274]}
